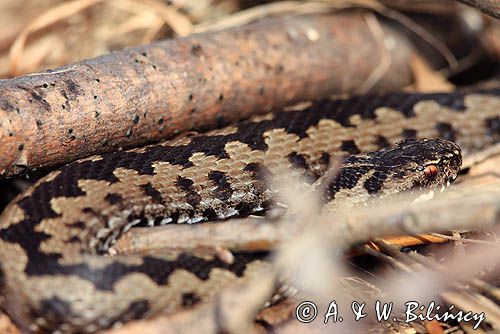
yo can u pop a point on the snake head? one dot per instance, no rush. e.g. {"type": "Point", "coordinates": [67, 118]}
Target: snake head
{"type": "Point", "coordinates": [409, 166]}
{"type": "Point", "coordinates": [419, 164]}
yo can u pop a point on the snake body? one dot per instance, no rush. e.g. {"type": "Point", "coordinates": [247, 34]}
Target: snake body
{"type": "Point", "coordinates": [55, 269]}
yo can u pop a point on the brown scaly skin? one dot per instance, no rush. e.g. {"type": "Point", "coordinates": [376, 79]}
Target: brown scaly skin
{"type": "Point", "coordinates": [53, 236]}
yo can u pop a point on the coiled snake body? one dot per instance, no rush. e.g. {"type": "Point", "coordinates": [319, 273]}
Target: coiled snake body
{"type": "Point", "coordinates": [55, 236]}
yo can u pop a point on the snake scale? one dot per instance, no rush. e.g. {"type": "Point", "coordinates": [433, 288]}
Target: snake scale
{"type": "Point", "coordinates": [57, 274]}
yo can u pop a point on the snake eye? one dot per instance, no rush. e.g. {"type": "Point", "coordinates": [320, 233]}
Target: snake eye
{"type": "Point", "coordinates": [431, 171]}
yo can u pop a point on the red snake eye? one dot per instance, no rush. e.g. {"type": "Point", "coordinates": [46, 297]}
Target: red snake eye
{"type": "Point", "coordinates": [431, 171]}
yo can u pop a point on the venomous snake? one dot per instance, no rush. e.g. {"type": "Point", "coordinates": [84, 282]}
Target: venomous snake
{"type": "Point", "coordinates": [56, 272]}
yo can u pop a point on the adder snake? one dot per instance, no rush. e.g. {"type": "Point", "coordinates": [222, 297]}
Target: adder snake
{"type": "Point", "coordinates": [54, 237]}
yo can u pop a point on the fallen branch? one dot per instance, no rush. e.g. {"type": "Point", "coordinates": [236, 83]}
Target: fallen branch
{"type": "Point", "coordinates": [482, 210]}
{"type": "Point", "coordinates": [153, 92]}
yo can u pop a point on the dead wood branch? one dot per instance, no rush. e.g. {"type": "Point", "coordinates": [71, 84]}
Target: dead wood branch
{"type": "Point", "coordinates": [459, 210]}
{"type": "Point", "coordinates": [153, 92]}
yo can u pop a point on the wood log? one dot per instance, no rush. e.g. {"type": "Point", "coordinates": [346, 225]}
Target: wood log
{"type": "Point", "coordinates": [153, 92]}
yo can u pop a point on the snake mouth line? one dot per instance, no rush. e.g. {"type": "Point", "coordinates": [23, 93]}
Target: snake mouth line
{"type": "Point", "coordinates": [427, 196]}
